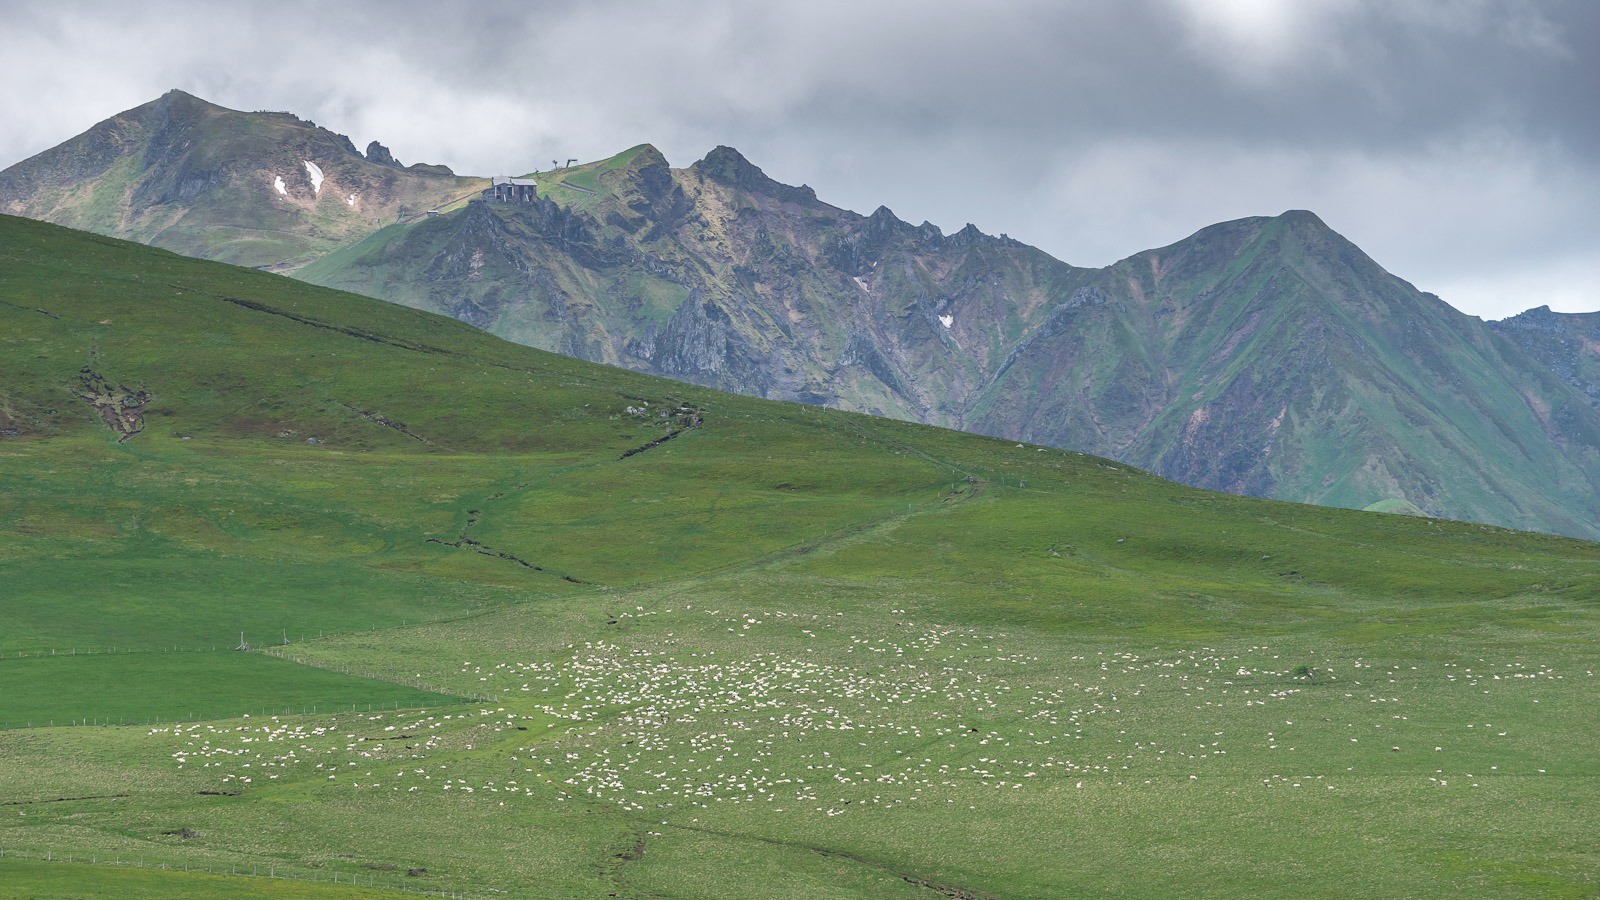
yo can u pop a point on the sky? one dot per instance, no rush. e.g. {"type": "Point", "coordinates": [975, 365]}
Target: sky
{"type": "Point", "coordinates": [1456, 141]}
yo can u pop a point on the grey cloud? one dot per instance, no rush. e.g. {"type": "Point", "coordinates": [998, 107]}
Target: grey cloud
{"type": "Point", "coordinates": [1457, 142]}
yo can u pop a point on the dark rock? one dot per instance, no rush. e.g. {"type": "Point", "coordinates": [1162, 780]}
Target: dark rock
{"type": "Point", "coordinates": [728, 166]}
{"type": "Point", "coordinates": [378, 153]}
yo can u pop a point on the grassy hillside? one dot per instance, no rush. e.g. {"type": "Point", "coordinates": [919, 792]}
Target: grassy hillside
{"type": "Point", "coordinates": [605, 634]}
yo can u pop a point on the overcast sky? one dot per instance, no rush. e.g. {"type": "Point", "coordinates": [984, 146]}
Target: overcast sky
{"type": "Point", "coordinates": [1457, 141]}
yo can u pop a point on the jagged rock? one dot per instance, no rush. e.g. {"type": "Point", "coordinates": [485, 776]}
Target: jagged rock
{"type": "Point", "coordinates": [728, 166]}
{"type": "Point", "coordinates": [378, 153]}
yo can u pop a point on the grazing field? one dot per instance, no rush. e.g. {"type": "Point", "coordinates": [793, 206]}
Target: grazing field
{"type": "Point", "coordinates": [714, 647]}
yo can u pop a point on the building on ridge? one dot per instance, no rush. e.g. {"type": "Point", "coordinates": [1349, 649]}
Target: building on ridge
{"type": "Point", "coordinates": [511, 190]}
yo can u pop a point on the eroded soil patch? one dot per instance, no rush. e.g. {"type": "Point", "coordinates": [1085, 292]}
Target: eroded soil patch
{"type": "Point", "coordinates": [119, 406]}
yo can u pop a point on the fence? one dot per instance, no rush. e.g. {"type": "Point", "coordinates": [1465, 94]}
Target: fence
{"type": "Point", "coordinates": [379, 880]}
{"type": "Point", "coordinates": [454, 695]}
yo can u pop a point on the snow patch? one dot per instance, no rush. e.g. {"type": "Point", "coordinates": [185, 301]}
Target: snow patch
{"type": "Point", "coordinates": [315, 172]}
{"type": "Point", "coordinates": [278, 183]}
{"type": "Point", "coordinates": [351, 200]}
{"type": "Point", "coordinates": [946, 320]}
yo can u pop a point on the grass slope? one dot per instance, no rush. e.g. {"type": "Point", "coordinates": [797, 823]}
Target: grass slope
{"type": "Point", "coordinates": [738, 649]}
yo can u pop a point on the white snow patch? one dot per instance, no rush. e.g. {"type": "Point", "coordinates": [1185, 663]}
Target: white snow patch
{"type": "Point", "coordinates": [350, 200]}
{"type": "Point", "coordinates": [946, 320]}
{"type": "Point", "coordinates": [278, 183]}
{"type": "Point", "coordinates": [315, 172]}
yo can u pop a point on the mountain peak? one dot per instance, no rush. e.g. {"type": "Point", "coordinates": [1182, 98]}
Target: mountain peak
{"type": "Point", "coordinates": [646, 154]}
{"type": "Point", "coordinates": [1307, 224]}
{"type": "Point", "coordinates": [178, 95]}
{"type": "Point", "coordinates": [726, 162]}
{"type": "Point", "coordinates": [173, 102]}
{"type": "Point", "coordinates": [1542, 318]}
{"type": "Point", "coordinates": [728, 166]}
{"type": "Point", "coordinates": [1302, 217]}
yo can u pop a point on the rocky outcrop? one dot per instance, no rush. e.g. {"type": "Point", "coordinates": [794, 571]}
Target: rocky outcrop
{"type": "Point", "coordinates": [378, 154]}
{"type": "Point", "coordinates": [728, 166]}
{"type": "Point", "coordinates": [120, 407]}
{"type": "Point", "coordinates": [1565, 344]}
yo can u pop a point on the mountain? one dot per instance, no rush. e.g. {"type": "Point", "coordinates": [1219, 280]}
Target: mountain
{"type": "Point", "coordinates": [521, 625]}
{"type": "Point", "coordinates": [263, 188]}
{"type": "Point", "coordinates": [1272, 357]}
{"type": "Point", "coordinates": [1267, 356]}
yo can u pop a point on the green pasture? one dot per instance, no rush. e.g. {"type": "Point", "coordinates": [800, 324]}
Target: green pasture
{"type": "Point", "coordinates": [740, 649]}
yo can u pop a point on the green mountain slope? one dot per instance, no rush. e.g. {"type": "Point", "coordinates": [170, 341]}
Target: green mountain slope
{"type": "Point", "coordinates": [1268, 356]}
{"type": "Point", "coordinates": [559, 629]}
{"type": "Point", "coordinates": [1271, 357]}
{"type": "Point", "coordinates": [255, 189]}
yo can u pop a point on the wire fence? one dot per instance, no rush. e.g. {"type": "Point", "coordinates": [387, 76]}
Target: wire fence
{"type": "Point", "coordinates": [449, 695]}
{"type": "Point", "coordinates": [283, 637]}
{"type": "Point", "coordinates": [377, 879]}
{"type": "Point", "coordinates": [285, 654]}
{"type": "Point", "coordinates": [301, 710]}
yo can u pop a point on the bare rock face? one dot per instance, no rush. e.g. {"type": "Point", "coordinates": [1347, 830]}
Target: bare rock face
{"type": "Point", "coordinates": [1566, 344]}
{"type": "Point", "coordinates": [380, 155]}
{"type": "Point", "coordinates": [728, 166]}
